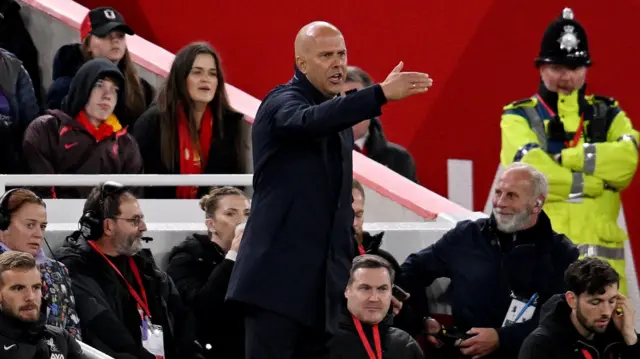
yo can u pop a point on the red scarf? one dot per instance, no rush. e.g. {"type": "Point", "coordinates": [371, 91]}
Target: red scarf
{"type": "Point", "coordinates": [104, 130]}
{"type": "Point", "coordinates": [193, 160]}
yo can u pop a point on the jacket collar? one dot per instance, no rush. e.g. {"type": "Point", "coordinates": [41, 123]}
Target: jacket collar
{"type": "Point", "coordinates": [300, 80]}
{"type": "Point", "coordinates": [552, 98]}
{"type": "Point", "coordinates": [346, 323]}
{"type": "Point", "coordinates": [40, 257]}
{"type": "Point", "coordinates": [540, 234]}
{"type": "Point", "coordinates": [555, 319]}
{"type": "Point", "coordinates": [372, 243]}
{"type": "Point", "coordinates": [18, 330]}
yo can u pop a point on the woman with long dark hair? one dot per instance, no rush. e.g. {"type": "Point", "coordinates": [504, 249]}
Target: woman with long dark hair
{"type": "Point", "coordinates": [192, 129]}
{"type": "Point", "coordinates": [103, 36]}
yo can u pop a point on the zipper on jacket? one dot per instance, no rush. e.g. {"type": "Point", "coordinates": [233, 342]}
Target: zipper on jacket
{"type": "Point", "coordinates": [604, 354]}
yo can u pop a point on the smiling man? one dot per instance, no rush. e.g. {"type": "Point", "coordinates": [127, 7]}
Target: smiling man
{"type": "Point", "coordinates": [297, 247]}
{"type": "Point", "coordinates": [591, 320]}
{"type": "Point", "coordinates": [23, 332]}
{"type": "Point", "coordinates": [502, 268]}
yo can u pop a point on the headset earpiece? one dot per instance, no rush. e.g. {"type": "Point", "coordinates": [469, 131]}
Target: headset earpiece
{"type": "Point", "coordinates": [5, 216]}
{"type": "Point", "coordinates": [90, 225]}
{"type": "Point", "coordinates": [92, 222]}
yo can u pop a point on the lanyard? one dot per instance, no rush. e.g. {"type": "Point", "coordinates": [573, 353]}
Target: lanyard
{"type": "Point", "coordinates": [578, 134]}
{"type": "Point", "coordinates": [142, 302]}
{"type": "Point", "coordinates": [365, 341]}
{"type": "Point", "coordinates": [361, 249]}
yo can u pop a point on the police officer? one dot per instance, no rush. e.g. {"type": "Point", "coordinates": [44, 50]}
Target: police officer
{"type": "Point", "coordinates": [584, 144]}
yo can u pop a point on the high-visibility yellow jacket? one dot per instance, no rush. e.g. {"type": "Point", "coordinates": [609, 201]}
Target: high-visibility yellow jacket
{"type": "Point", "coordinates": [584, 188]}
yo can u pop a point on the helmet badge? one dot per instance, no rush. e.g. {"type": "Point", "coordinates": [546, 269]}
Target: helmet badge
{"type": "Point", "coordinates": [569, 40]}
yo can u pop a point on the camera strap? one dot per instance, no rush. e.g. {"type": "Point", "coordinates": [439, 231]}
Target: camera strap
{"type": "Point", "coordinates": [365, 341]}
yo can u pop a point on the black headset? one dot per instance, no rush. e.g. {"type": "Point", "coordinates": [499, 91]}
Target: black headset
{"type": "Point", "coordinates": [5, 215]}
{"type": "Point", "coordinates": [91, 222]}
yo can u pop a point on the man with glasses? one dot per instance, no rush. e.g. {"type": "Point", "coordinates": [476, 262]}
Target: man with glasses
{"type": "Point", "coordinates": [128, 307]}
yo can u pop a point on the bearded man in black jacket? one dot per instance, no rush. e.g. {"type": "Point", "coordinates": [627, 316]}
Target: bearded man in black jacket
{"type": "Point", "coordinates": [23, 333]}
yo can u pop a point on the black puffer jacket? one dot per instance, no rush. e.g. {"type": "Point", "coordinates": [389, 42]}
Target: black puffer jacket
{"type": "Point", "coordinates": [557, 338]}
{"type": "Point", "coordinates": [24, 340]}
{"type": "Point", "coordinates": [346, 343]}
{"type": "Point", "coordinates": [200, 271]}
{"type": "Point", "coordinates": [108, 314]}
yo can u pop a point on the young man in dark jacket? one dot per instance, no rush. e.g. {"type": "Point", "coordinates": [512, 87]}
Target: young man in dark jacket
{"type": "Point", "coordinates": [23, 333]}
{"type": "Point", "coordinates": [363, 330]}
{"type": "Point", "coordinates": [497, 266]}
{"type": "Point", "coordinates": [128, 308]}
{"type": "Point", "coordinates": [591, 320]}
{"type": "Point", "coordinates": [85, 136]}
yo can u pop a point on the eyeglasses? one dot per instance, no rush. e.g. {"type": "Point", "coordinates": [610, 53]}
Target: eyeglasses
{"type": "Point", "coordinates": [136, 221]}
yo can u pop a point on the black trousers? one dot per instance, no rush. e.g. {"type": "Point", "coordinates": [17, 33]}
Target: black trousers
{"type": "Point", "coordinates": [269, 335]}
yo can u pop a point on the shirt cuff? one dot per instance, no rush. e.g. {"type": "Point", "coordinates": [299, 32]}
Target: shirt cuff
{"type": "Point", "coordinates": [231, 255]}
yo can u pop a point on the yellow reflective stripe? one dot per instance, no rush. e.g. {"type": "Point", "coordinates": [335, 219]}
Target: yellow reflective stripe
{"type": "Point", "coordinates": [594, 250]}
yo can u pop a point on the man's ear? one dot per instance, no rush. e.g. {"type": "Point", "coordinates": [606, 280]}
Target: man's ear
{"type": "Point", "coordinates": [572, 299]}
{"type": "Point", "coordinates": [301, 63]}
{"type": "Point", "coordinates": [108, 227]}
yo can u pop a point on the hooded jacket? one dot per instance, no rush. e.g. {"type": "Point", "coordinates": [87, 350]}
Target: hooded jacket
{"type": "Point", "coordinates": [557, 338]}
{"type": "Point", "coordinates": [108, 313]}
{"type": "Point", "coordinates": [35, 340]}
{"type": "Point", "coordinates": [66, 63]}
{"type": "Point", "coordinates": [57, 143]}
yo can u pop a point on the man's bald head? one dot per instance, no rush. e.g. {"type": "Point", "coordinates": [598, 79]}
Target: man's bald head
{"type": "Point", "coordinates": [321, 55]}
{"type": "Point", "coordinates": [310, 32]}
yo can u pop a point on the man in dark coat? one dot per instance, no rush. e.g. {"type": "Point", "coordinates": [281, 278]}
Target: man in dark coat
{"type": "Point", "coordinates": [296, 253]}
{"type": "Point", "coordinates": [502, 269]}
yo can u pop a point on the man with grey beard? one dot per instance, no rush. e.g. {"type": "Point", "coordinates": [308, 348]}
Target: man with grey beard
{"type": "Point", "coordinates": [502, 270]}
{"type": "Point", "coordinates": [128, 307]}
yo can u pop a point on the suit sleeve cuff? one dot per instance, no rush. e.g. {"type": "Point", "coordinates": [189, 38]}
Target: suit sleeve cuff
{"type": "Point", "coordinates": [380, 97]}
{"type": "Point", "coordinates": [231, 255]}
